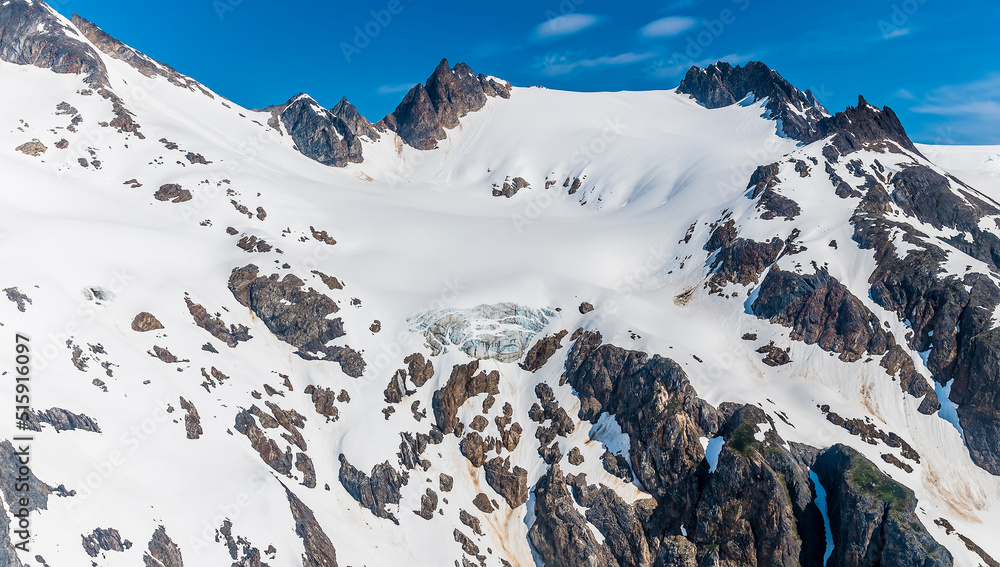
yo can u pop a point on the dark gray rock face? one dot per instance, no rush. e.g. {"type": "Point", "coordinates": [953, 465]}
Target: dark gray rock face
{"type": "Point", "coordinates": [757, 507]}
{"type": "Point", "coordinates": [32, 34]}
{"type": "Point", "coordinates": [822, 311]}
{"type": "Point", "coordinates": [104, 540]}
{"type": "Point", "coordinates": [375, 492]}
{"type": "Point", "coordinates": [857, 126]}
{"type": "Point", "coordinates": [118, 50]}
{"type": "Point", "coordinates": [38, 492]}
{"type": "Point", "coordinates": [722, 84]}
{"type": "Point", "coordinates": [560, 533]}
{"type": "Point", "coordinates": [511, 484]}
{"type": "Point", "coordinates": [268, 450]}
{"type": "Point", "coordinates": [621, 524]}
{"type": "Point", "coordinates": [428, 110]}
{"type": "Point", "coordinates": [927, 195]}
{"type": "Point", "coordinates": [357, 124]}
{"type": "Point", "coordinates": [656, 406]}
{"type": "Point", "coordinates": [296, 316]}
{"type": "Point", "coordinates": [63, 420]}
{"type": "Point", "coordinates": [331, 137]}
{"type": "Point", "coordinates": [463, 384]}
{"type": "Point", "coordinates": [742, 261]}
{"type": "Point", "coordinates": [319, 551]}
{"type": "Point", "coordinates": [542, 351]}
{"type": "Point", "coordinates": [8, 555]}
{"type": "Point", "coordinates": [231, 335]}
{"type": "Point", "coordinates": [950, 316]}
{"type": "Point", "coordinates": [872, 516]}
{"type": "Point", "coordinates": [163, 552]}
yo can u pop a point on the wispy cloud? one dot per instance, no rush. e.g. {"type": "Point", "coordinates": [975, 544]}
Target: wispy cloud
{"type": "Point", "coordinates": [968, 112]}
{"type": "Point", "coordinates": [393, 89]}
{"type": "Point", "coordinates": [565, 26]}
{"type": "Point", "coordinates": [678, 4]}
{"type": "Point", "coordinates": [670, 26]}
{"type": "Point", "coordinates": [668, 68]}
{"type": "Point", "coordinates": [898, 32]}
{"type": "Point", "coordinates": [560, 63]}
{"type": "Point", "coordinates": [978, 99]}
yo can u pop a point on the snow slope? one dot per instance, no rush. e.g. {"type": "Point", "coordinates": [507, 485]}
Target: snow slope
{"type": "Point", "coordinates": [416, 232]}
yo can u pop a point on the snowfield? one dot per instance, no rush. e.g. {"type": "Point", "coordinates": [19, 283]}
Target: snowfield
{"type": "Point", "coordinates": [419, 236]}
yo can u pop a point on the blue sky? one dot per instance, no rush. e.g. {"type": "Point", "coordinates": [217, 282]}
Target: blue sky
{"type": "Point", "coordinates": [936, 63]}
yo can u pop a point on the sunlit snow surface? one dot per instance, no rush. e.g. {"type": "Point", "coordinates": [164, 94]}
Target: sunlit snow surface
{"type": "Point", "coordinates": [418, 234]}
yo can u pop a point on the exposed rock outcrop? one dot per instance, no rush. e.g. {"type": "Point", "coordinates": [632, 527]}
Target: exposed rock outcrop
{"type": "Point", "coordinates": [296, 316]}
{"type": "Point", "coordinates": [542, 351]}
{"type": "Point", "coordinates": [449, 94]}
{"type": "Point", "coordinates": [144, 322]}
{"type": "Point", "coordinates": [319, 551]}
{"type": "Point", "coordinates": [331, 137]}
{"type": "Point", "coordinates": [464, 383]}
{"type": "Point", "coordinates": [31, 33]}
{"type": "Point", "coordinates": [859, 127]}
{"type": "Point", "coordinates": [163, 552]}
{"type": "Point", "coordinates": [375, 492]}
{"type": "Point", "coordinates": [560, 533]}
{"type": "Point", "coordinates": [822, 311]}
{"type": "Point", "coordinates": [104, 540]}
{"type": "Point", "coordinates": [872, 516]}
{"type": "Point", "coordinates": [231, 335]}
{"type": "Point", "coordinates": [722, 84]}
{"type": "Point", "coordinates": [138, 61]}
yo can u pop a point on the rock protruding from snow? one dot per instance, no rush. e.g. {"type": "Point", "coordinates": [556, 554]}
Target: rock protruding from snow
{"type": "Point", "coordinates": [163, 552]}
{"type": "Point", "coordinates": [859, 127]}
{"type": "Point", "coordinates": [449, 94]}
{"type": "Point", "coordinates": [464, 383]}
{"type": "Point", "coordinates": [872, 516]}
{"type": "Point", "coordinates": [296, 316]}
{"type": "Point", "coordinates": [375, 492]}
{"type": "Point", "coordinates": [820, 310]}
{"type": "Point", "coordinates": [146, 321]}
{"type": "Point", "coordinates": [31, 33]}
{"type": "Point", "coordinates": [138, 61]}
{"type": "Point", "coordinates": [104, 540]}
{"type": "Point", "coordinates": [331, 137]}
{"type": "Point", "coordinates": [560, 534]}
{"type": "Point", "coordinates": [722, 84]}
{"type": "Point", "coordinates": [318, 550]}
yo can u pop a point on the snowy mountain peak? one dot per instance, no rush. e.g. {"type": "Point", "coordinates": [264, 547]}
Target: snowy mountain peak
{"type": "Point", "coordinates": [32, 33]}
{"type": "Point", "coordinates": [721, 84]}
{"type": "Point", "coordinates": [138, 61]}
{"type": "Point", "coordinates": [449, 94]}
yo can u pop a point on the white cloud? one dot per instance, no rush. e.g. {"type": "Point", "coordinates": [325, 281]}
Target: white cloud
{"type": "Point", "coordinates": [904, 94]}
{"type": "Point", "coordinates": [667, 27]}
{"type": "Point", "coordinates": [565, 63]}
{"type": "Point", "coordinates": [669, 68]}
{"type": "Point", "coordinates": [392, 89]}
{"type": "Point", "coordinates": [678, 4]}
{"type": "Point", "coordinates": [980, 99]}
{"type": "Point", "coordinates": [968, 113]}
{"type": "Point", "coordinates": [564, 26]}
{"type": "Point", "coordinates": [899, 32]}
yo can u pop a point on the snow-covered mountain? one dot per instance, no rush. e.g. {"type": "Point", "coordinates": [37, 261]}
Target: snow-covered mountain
{"type": "Point", "coordinates": [501, 326]}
